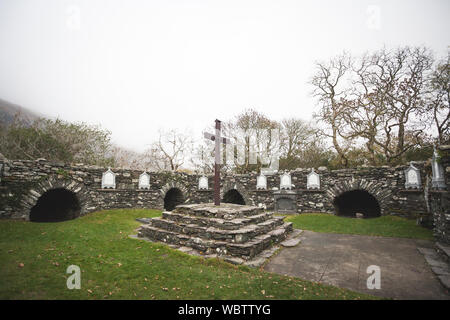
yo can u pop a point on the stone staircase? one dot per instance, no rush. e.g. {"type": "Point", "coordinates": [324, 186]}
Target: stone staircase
{"type": "Point", "coordinates": [236, 233]}
{"type": "Point", "coordinates": [439, 261]}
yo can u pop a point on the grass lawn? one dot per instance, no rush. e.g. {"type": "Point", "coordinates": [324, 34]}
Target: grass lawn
{"type": "Point", "coordinates": [34, 258]}
{"type": "Point", "coordinates": [386, 226]}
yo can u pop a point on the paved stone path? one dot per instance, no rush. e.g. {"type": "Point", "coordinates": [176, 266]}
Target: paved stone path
{"type": "Point", "coordinates": [342, 260]}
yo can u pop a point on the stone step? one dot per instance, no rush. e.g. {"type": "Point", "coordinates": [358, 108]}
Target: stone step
{"type": "Point", "coordinates": [245, 250]}
{"type": "Point", "coordinates": [228, 211]}
{"type": "Point", "coordinates": [438, 264]}
{"type": "Point", "coordinates": [241, 235]}
{"type": "Point", "coordinates": [143, 220]}
{"type": "Point", "coordinates": [443, 250]}
{"type": "Point", "coordinates": [232, 224]}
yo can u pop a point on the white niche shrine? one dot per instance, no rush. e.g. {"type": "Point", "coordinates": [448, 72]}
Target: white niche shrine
{"type": "Point", "coordinates": [285, 182]}
{"type": "Point", "coordinates": [144, 181]}
{"type": "Point", "coordinates": [203, 183]}
{"type": "Point", "coordinates": [261, 182]}
{"type": "Point", "coordinates": [313, 180]}
{"type": "Point", "coordinates": [412, 178]}
{"type": "Point", "coordinates": [108, 179]}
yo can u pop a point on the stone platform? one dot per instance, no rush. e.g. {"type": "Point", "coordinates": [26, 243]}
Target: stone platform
{"type": "Point", "coordinates": [239, 234]}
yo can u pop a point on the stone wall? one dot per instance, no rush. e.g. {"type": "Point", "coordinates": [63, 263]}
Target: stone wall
{"type": "Point", "coordinates": [386, 184]}
{"type": "Point", "coordinates": [23, 182]}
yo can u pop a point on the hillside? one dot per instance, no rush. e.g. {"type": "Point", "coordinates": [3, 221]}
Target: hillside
{"type": "Point", "coordinates": [9, 110]}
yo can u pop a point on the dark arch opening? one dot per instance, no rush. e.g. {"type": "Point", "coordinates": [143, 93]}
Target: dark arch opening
{"type": "Point", "coordinates": [56, 205]}
{"type": "Point", "coordinates": [233, 196]}
{"type": "Point", "coordinates": [350, 203]}
{"type": "Point", "coordinates": [173, 198]}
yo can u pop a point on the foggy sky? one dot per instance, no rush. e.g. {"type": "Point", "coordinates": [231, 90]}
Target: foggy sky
{"type": "Point", "coordinates": [135, 66]}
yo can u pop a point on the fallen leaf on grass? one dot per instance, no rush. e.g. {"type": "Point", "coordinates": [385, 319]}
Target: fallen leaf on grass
{"type": "Point", "coordinates": [21, 265]}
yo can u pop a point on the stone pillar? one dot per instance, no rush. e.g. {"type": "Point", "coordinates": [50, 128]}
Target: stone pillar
{"type": "Point", "coordinates": [440, 200]}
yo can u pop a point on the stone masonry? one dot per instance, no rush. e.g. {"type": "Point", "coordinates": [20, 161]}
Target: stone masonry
{"type": "Point", "coordinates": [236, 233]}
{"type": "Point", "coordinates": [23, 182]}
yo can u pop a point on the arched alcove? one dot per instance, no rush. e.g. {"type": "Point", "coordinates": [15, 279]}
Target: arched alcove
{"type": "Point", "coordinates": [56, 205]}
{"type": "Point", "coordinates": [350, 203]}
{"type": "Point", "coordinates": [233, 196]}
{"type": "Point", "coordinates": [173, 197]}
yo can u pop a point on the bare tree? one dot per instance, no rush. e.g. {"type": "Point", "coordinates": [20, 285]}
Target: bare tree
{"type": "Point", "coordinates": [202, 158]}
{"type": "Point", "coordinates": [331, 91]}
{"type": "Point", "coordinates": [129, 159]}
{"type": "Point", "coordinates": [256, 137]}
{"type": "Point", "coordinates": [399, 80]}
{"type": "Point", "coordinates": [171, 149]}
{"type": "Point", "coordinates": [378, 99]}
{"type": "Point", "coordinates": [438, 99]}
{"type": "Point", "coordinates": [301, 145]}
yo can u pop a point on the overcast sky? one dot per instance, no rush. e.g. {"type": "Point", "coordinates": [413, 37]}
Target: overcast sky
{"type": "Point", "coordinates": [135, 66]}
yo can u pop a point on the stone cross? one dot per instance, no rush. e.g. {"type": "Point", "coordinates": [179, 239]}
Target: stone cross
{"type": "Point", "coordinates": [218, 140]}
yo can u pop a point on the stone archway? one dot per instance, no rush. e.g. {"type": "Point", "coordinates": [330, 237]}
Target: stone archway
{"type": "Point", "coordinates": [56, 205]}
{"type": "Point", "coordinates": [233, 196]}
{"type": "Point", "coordinates": [173, 194]}
{"type": "Point", "coordinates": [374, 193]}
{"type": "Point", "coordinates": [233, 185]}
{"type": "Point", "coordinates": [173, 198]}
{"type": "Point", "coordinates": [52, 194]}
{"type": "Point", "coordinates": [352, 203]}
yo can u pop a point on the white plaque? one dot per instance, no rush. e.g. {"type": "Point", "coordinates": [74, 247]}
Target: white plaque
{"type": "Point", "coordinates": [412, 178]}
{"type": "Point", "coordinates": [285, 181]}
{"type": "Point", "coordinates": [144, 181]}
{"type": "Point", "coordinates": [261, 182]}
{"type": "Point", "coordinates": [313, 180]}
{"type": "Point", "coordinates": [108, 179]}
{"type": "Point", "coordinates": [203, 183]}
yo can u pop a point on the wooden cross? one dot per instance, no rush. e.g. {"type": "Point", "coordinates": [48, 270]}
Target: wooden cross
{"type": "Point", "coordinates": [218, 140]}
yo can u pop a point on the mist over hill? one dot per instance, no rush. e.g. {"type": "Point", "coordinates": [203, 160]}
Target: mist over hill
{"type": "Point", "coordinates": [8, 111]}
